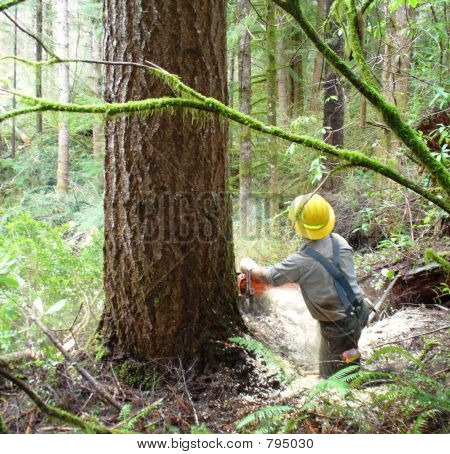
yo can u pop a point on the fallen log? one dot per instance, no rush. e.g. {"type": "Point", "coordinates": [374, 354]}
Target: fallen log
{"type": "Point", "coordinates": [17, 357]}
{"type": "Point", "coordinates": [419, 286]}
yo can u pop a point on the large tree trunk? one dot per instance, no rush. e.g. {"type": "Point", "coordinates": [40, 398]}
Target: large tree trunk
{"type": "Point", "coordinates": [245, 95]}
{"type": "Point", "coordinates": [169, 263]}
{"type": "Point", "coordinates": [272, 107]}
{"type": "Point", "coordinates": [62, 35]}
{"type": "Point", "coordinates": [38, 69]}
{"type": "Point", "coordinates": [318, 63]}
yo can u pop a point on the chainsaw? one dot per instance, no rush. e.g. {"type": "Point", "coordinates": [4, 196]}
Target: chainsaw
{"type": "Point", "coordinates": [248, 287]}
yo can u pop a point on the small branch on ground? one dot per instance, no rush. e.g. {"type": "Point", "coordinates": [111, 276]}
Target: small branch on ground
{"type": "Point", "coordinates": [82, 371]}
{"type": "Point", "coordinates": [54, 412]}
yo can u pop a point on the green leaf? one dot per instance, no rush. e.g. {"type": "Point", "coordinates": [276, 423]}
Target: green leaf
{"type": "Point", "coordinates": [56, 307]}
{"type": "Point", "coordinates": [37, 307]}
{"type": "Point", "coordinates": [8, 281]}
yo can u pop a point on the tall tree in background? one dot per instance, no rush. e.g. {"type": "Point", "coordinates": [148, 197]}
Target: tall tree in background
{"type": "Point", "coordinates": [97, 127]}
{"type": "Point", "coordinates": [169, 262]}
{"type": "Point", "coordinates": [297, 86]}
{"type": "Point", "coordinates": [38, 69]}
{"type": "Point", "coordinates": [62, 45]}
{"type": "Point", "coordinates": [14, 101]}
{"type": "Point", "coordinates": [282, 72]}
{"type": "Point", "coordinates": [245, 98]}
{"type": "Point", "coordinates": [333, 91]}
{"type": "Point", "coordinates": [396, 61]}
{"type": "Point", "coordinates": [271, 45]}
{"type": "Point", "coordinates": [318, 61]}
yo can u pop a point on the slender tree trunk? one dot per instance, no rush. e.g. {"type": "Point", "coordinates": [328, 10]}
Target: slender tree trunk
{"type": "Point", "coordinates": [38, 69]}
{"type": "Point", "coordinates": [333, 97]}
{"type": "Point", "coordinates": [245, 97]}
{"type": "Point", "coordinates": [169, 263]}
{"type": "Point", "coordinates": [97, 127]}
{"type": "Point", "coordinates": [333, 110]}
{"type": "Point", "coordinates": [283, 91]}
{"type": "Point", "coordinates": [231, 87]}
{"type": "Point", "coordinates": [318, 63]}
{"type": "Point", "coordinates": [13, 125]}
{"type": "Point", "coordinates": [272, 106]}
{"type": "Point", "coordinates": [396, 63]}
{"type": "Point", "coordinates": [402, 59]}
{"type": "Point", "coordinates": [62, 34]}
{"type": "Point", "coordinates": [297, 81]}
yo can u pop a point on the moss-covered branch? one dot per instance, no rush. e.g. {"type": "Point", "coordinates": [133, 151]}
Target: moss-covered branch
{"type": "Point", "coordinates": [389, 112]}
{"type": "Point", "coordinates": [431, 256]}
{"type": "Point", "coordinates": [54, 412]}
{"type": "Point", "coordinates": [8, 3]}
{"type": "Point", "coordinates": [355, 43]}
{"type": "Point", "coordinates": [211, 105]}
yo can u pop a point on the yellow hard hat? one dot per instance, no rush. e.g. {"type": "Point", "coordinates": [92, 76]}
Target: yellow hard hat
{"type": "Point", "coordinates": [312, 216]}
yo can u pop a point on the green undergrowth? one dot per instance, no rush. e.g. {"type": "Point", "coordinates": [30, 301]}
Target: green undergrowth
{"type": "Point", "coordinates": [414, 400]}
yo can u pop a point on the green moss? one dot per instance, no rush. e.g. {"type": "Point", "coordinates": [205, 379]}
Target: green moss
{"type": "Point", "coordinates": [431, 256]}
{"type": "Point", "coordinates": [3, 427]}
{"type": "Point", "coordinates": [8, 3]}
{"type": "Point", "coordinates": [137, 375]}
{"type": "Point", "coordinates": [197, 102]}
{"type": "Point", "coordinates": [389, 112]}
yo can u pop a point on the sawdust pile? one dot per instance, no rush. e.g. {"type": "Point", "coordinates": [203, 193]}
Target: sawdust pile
{"type": "Point", "coordinates": [279, 319]}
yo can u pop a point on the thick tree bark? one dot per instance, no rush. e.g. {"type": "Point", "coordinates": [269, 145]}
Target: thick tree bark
{"type": "Point", "coordinates": [169, 263]}
{"type": "Point", "coordinates": [38, 69]}
{"type": "Point", "coordinates": [62, 35]}
{"type": "Point", "coordinates": [272, 107]}
{"type": "Point", "coordinates": [245, 95]}
{"type": "Point", "coordinates": [318, 63]}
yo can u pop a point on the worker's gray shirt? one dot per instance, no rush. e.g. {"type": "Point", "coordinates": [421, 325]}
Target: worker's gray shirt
{"type": "Point", "coordinates": [315, 282]}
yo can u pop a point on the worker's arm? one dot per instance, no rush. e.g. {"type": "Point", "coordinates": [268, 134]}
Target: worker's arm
{"type": "Point", "coordinates": [288, 270]}
{"type": "Point", "coordinates": [258, 273]}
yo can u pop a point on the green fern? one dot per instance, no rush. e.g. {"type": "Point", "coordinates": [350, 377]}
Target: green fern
{"type": "Point", "coordinates": [422, 420]}
{"type": "Point", "coordinates": [391, 350]}
{"type": "Point", "coordinates": [264, 420]}
{"type": "Point", "coordinates": [264, 354]}
{"type": "Point", "coordinates": [125, 412]}
{"type": "Point", "coordinates": [129, 421]}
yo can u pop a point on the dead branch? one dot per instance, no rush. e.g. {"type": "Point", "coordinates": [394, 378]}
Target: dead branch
{"type": "Point", "coordinates": [82, 371]}
{"type": "Point", "coordinates": [54, 412]}
{"type": "Point", "coordinates": [415, 335]}
{"type": "Point", "coordinates": [16, 357]}
{"type": "Point", "coordinates": [383, 297]}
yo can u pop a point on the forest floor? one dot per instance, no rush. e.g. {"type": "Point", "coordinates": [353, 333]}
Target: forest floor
{"type": "Point", "coordinates": [213, 402]}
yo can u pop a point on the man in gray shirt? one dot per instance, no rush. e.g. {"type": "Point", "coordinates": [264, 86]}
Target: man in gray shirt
{"type": "Point", "coordinates": [313, 218]}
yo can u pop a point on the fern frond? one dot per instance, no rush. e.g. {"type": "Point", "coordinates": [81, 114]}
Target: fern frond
{"type": "Point", "coordinates": [421, 421]}
{"type": "Point", "coordinates": [392, 350]}
{"type": "Point", "coordinates": [261, 416]}
{"type": "Point", "coordinates": [264, 354]}
{"type": "Point", "coordinates": [125, 412]}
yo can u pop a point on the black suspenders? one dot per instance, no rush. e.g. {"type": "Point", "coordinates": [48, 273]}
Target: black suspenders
{"type": "Point", "coordinates": [343, 288]}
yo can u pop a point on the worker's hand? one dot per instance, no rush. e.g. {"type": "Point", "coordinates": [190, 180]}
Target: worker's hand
{"type": "Point", "coordinates": [247, 264]}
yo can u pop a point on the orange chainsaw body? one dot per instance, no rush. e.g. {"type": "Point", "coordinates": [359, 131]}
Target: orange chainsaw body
{"type": "Point", "coordinates": [258, 286]}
